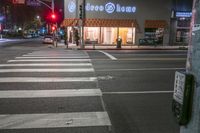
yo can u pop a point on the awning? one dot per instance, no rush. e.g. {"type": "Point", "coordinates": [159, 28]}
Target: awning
{"type": "Point", "coordinates": [155, 24]}
{"type": "Point", "coordinates": [70, 22]}
{"type": "Point", "coordinates": [102, 22]}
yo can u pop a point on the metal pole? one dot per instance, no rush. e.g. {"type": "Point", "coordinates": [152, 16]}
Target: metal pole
{"type": "Point", "coordinates": [52, 6]}
{"type": "Point", "coordinates": [193, 67]}
{"type": "Point", "coordinates": [82, 26]}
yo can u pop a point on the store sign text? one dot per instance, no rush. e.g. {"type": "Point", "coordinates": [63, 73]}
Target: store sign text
{"type": "Point", "coordinates": [72, 6]}
{"type": "Point", "coordinates": [183, 14]}
{"type": "Point", "coordinates": [110, 8]}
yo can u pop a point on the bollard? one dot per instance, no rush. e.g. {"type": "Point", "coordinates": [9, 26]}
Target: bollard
{"type": "Point", "coordinates": [93, 43]}
{"type": "Point", "coordinates": [119, 42]}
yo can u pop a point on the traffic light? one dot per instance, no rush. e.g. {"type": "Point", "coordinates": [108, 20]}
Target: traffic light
{"type": "Point", "coordinates": [53, 28]}
{"type": "Point", "coordinates": [81, 11]}
{"type": "Point", "coordinates": [53, 16]}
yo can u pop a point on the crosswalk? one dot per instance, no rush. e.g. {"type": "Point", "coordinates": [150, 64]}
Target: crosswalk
{"type": "Point", "coordinates": [49, 92]}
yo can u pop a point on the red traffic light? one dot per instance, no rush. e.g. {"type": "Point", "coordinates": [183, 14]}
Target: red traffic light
{"type": "Point", "coordinates": [53, 28]}
{"type": "Point", "coordinates": [53, 16]}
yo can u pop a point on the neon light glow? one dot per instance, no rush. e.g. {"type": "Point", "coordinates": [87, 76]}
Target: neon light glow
{"type": "Point", "coordinates": [108, 8]}
{"type": "Point", "coordinates": [183, 14]}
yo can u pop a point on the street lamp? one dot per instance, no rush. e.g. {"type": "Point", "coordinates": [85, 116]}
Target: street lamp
{"type": "Point", "coordinates": [38, 17]}
{"type": "Point", "coordinates": [51, 7]}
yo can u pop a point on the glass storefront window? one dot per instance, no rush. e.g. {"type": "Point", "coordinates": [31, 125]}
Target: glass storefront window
{"type": "Point", "coordinates": [104, 35]}
{"type": "Point", "coordinates": [182, 31]}
{"type": "Point", "coordinates": [155, 34]}
{"type": "Point", "coordinates": [182, 35]}
{"type": "Point", "coordinates": [92, 34]}
{"type": "Point", "coordinates": [109, 35]}
{"type": "Point", "coordinates": [127, 35]}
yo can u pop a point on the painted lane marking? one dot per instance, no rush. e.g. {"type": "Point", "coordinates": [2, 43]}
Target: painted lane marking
{"type": "Point", "coordinates": [143, 69]}
{"type": "Point", "coordinates": [47, 70]}
{"type": "Point", "coordinates": [50, 93]}
{"type": "Point", "coordinates": [46, 64]}
{"type": "Point", "coordinates": [46, 60]}
{"type": "Point", "coordinates": [109, 55]}
{"type": "Point", "coordinates": [137, 54]}
{"type": "Point", "coordinates": [151, 59]}
{"type": "Point", "coordinates": [52, 57]}
{"type": "Point", "coordinates": [138, 92]}
{"type": "Point", "coordinates": [54, 120]}
{"type": "Point", "coordinates": [145, 59]}
{"type": "Point", "coordinates": [46, 79]}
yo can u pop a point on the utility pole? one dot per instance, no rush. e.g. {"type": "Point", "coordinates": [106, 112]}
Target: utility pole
{"type": "Point", "coordinates": [193, 67]}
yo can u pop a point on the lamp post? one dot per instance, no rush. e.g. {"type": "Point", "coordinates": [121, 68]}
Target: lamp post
{"type": "Point", "coordinates": [53, 17]}
{"type": "Point", "coordinates": [50, 7]}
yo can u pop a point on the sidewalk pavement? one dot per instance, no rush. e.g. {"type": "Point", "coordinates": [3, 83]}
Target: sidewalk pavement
{"type": "Point", "coordinates": [128, 47]}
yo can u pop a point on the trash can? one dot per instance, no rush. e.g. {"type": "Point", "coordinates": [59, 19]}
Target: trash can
{"type": "Point", "coordinates": [119, 42]}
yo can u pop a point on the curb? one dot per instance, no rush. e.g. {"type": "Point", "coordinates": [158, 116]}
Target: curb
{"type": "Point", "coordinates": [133, 49]}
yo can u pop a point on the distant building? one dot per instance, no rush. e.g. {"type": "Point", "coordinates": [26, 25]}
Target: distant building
{"type": "Point", "coordinates": [131, 20]}
{"type": "Point", "coordinates": [180, 22]}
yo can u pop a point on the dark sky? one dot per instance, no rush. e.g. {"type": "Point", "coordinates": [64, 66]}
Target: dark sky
{"type": "Point", "coordinates": [183, 5]}
{"type": "Point", "coordinates": [42, 10]}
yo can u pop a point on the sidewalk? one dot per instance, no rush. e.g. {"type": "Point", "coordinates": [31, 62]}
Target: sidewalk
{"type": "Point", "coordinates": [128, 47]}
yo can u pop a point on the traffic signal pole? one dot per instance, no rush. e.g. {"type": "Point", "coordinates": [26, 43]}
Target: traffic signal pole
{"type": "Point", "coordinates": [52, 7]}
{"type": "Point", "coordinates": [193, 67]}
{"type": "Point", "coordinates": [82, 16]}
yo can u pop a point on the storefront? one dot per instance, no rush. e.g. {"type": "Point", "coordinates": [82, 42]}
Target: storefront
{"type": "Point", "coordinates": [183, 27]}
{"type": "Point", "coordinates": [180, 22]}
{"type": "Point", "coordinates": [107, 20]}
{"type": "Point", "coordinates": [104, 31]}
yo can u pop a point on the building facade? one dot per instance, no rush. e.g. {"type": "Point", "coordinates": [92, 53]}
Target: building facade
{"type": "Point", "coordinates": [132, 20]}
{"type": "Point", "coordinates": [180, 22]}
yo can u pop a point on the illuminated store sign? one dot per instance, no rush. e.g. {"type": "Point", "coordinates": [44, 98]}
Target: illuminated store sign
{"type": "Point", "coordinates": [183, 14]}
{"type": "Point", "coordinates": [72, 6]}
{"type": "Point", "coordinates": [108, 8]}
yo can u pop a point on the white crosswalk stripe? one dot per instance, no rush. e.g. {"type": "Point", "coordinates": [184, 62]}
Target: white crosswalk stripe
{"type": "Point", "coordinates": [46, 64]}
{"type": "Point", "coordinates": [50, 93]}
{"type": "Point", "coordinates": [82, 119]}
{"type": "Point", "coordinates": [47, 70]}
{"type": "Point", "coordinates": [49, 57]}
{"type": "Point", "coordinates": [50, 60]}
{"type": "Point", "coordinates": [43, 62]}
{"type": "Point", "coordinates": [46, 79]}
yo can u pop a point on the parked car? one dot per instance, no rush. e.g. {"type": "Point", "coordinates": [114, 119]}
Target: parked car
{"type": "Point", "coordinates": [48, 39]}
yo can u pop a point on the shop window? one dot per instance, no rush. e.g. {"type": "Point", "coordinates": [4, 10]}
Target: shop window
{"type": "Point", "coordinates": [109, 35]}
{"type": "Point", "coordinates": [182, 31]}
{"type": "Point", "coordinates": [182, 35]}
{"type": "Point", "coordinates": [155, 34]}
{"type": "Point", "coordinates": [91, 34]}
{"type": "Point", "coordinates": [183, 22]}
{"type": "Point", "coordinates": [127, 35]}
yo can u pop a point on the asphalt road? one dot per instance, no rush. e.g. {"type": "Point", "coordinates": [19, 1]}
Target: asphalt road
{"type": "Point", "coordinates": [51, 90]}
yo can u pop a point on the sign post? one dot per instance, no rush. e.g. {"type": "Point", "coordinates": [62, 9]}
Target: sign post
{"type": "Point", "coordinates": [193, 67]}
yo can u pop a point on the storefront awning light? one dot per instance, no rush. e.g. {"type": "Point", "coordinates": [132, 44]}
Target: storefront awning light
{"type": "Point", "coordinates": [102, 22]}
